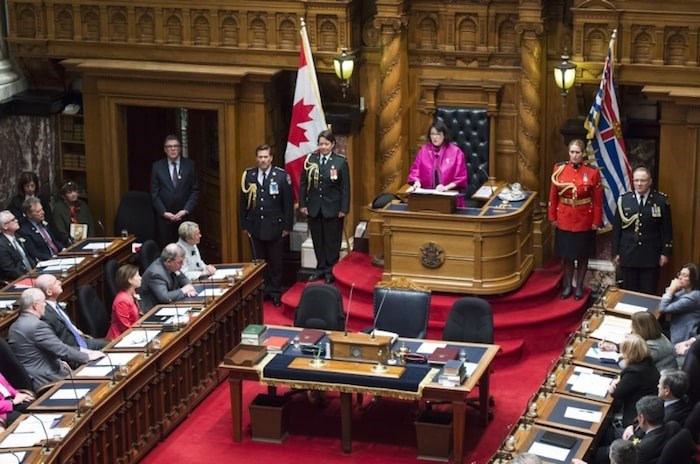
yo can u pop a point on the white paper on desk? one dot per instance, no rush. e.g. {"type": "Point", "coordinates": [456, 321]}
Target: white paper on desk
{"type": "Point", "coordinates": [97, 245]}
{"type": "Point", "coordinates": [211, 291]}
{"type": "Point", "coordinates": [32, 423]}
{"type": "Point", "coordinates": [586, 415]}
{"type": "Point", "coordinates": [485, 192]}
{"type": "Point", "coordinates": [578, 370]}
{"type": "Point", "coordinates": [173, 310]}
{"type": "Point", "coordinates": [138, 337]}
{"type": "Point", "coordinates": [22, 440]}
{"type": "Point", "coordinates": [471, 367]}
{"type": "Point", "coordinates": [69, 393]}
{"type": "Point", "coordinates": [7, 303]}
{"type": "Point", "coordinates": [221, 274]}
{"type": "Point", "coordinates": [629, 308]}
{"type": "Point", "coordinates": [60, 263]}
{"type": "Point", "coordinates": [117, 359]}
{"type": "Point", "coordinates": [591, 384]}
{"type": "Point", "coordinates": [423, 191]}
{"type": "Point", "coordinates": [594, 352]}
{"type": "Point", "coordinates": [612, 328]}
{"type": "Point", "coordinates": [94, 371]}
{"type": "Point", "coordinates": [12, 458]}
{"type": "Point", "coordinates": [427, 348]}
{"type": "Point", "coordinates": [548, 451]}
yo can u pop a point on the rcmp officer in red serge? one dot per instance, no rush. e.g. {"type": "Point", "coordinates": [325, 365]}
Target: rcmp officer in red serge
{"type": "Point", "coordinates": [576, 210]}
{"type": "Point", "coordinates": [266, 214]}
{"type": "Point", "coordinates": [642, 234]}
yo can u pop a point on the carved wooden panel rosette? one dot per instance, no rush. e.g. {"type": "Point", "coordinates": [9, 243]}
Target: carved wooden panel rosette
{"type": "Point", "coordinates": [432, 255]}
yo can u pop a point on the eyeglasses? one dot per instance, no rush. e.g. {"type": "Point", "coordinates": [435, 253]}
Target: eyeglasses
{"type": "Point", "coordinates": [172, 146]}
{"type": "Point", "coordinates": [436, 134]}
{"type": "Point", "coordinates": [10, 221]}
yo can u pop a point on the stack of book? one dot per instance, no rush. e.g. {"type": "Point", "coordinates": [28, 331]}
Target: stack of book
{"type": "Point", "coordinates": [254, 334]}
{"type": "Point", "coordinates": [276, 344]}
{"type": "Point", "coordinates": [454, 373]}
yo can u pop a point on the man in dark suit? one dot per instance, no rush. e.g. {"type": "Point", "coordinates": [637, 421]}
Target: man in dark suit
{"type": "Point", "coordinates": [174, 190]}
{"type": "Point", "coordinates": [58, 319]}
{"type": "Point", "coordinates": [163, 282]}
{"type": "Point", "coordinates": [673, 385]}
{"type": "Point", "coordinates": [37, 347]}
{"type": "Point", "coordinates": [41, 243]}
{"type": "Point", "coordinates": [650, 411]}
{"type": "Point", "coordinates": [266, 214]}
{"type": "Point", "coordinates": [324, 196]}
{"type": "Point", "coordinates": [14, 259]}
{"type": "Point", "coordinates": [642, 237]}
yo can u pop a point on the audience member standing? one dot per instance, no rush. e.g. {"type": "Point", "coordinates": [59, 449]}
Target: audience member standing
{"type": "Point", "coordinates": [174, 190]}
{"type": "Point", "coordinates": [576, 210]}
{"type": "Point", "coordinates": [28, 187]}
{"type": "Point", "coordinates": [266, 214]}
{"type": "Point", "coordinates": [642, 237]}
{"type": "Point", "coordinates": [324, 197]}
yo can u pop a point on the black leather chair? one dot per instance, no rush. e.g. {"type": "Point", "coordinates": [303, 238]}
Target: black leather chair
{"type": "Point", "coordinates": [12, 369]}
{"type": "Point", "coordinates": [692, 423]}
{"type": "Point", "coordinates": [402, 308]}
{"type": "Point", "coordinates": [470, 320]}
{"type": "Point", "coordinates": [320, 307]}
{"type": "Point", "coordinates": [469, 129]}
{"type": "Point", "coordinates": [92, 315]}
{"type": "Point", "coordinates": [109, 271]}
{"type": "Point", "coordinates": [135, 214]}
{"type": "Point", "coordinates": [149, 252]}
{"type": "Point", "coordinates": [679, 449]}
{"type": "Point", "coordinates": [691, 366]}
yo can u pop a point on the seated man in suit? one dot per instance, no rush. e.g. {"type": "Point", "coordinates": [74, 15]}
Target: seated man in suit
{"type": "Point", "coordinates": [37, 347]}
{"type": "Point", "coordinates": [59, 321]}
{"type": "Point", "coordinates": [621, 452]}
{"type": "Point", "coordinates": [163, 282]}
{"type": "Point", "coordinates": [41, 244]}
{"type": "Point", "coordinates": [14, 259]}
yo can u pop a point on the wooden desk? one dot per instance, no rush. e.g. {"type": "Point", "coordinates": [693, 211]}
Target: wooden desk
{"type": "Point", "coordinates": [563, 387]}
{"type": "Point", "coordinates": [162, 388]}
{"type": "Point", "coordinates": [42, 447]}
{"type": "Point", "coordinates": [527, 435]}
{"type": "Point", "coordinates": [550, 413]}
{"type": "Point", "coordinates": [580, 359]}
{"type": "Point", "coordinates": [614, 296]}
{"type": "Point", "coordinates": [432, 391]}
{"type": "Point", "coordinates": [480, 251]}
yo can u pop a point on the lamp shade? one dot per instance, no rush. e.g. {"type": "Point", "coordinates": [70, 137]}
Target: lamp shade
{"type": "Point", "coordinates": [344, 65]}
{"type": "Point", "coordinates": [565, 73]}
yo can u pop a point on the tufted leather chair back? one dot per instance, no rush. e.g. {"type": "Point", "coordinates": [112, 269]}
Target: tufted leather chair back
{"type": "Point", "coordinates": [469, 129]}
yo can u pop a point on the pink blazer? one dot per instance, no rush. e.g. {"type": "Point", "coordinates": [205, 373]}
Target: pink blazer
{"type": "Point", "coordinates": [451, 167]}
{"type": "Point", "coordinates": [6, 404]}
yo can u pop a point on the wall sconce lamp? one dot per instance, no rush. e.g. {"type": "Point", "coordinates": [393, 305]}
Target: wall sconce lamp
{"type": "Point", "coordinates": [565, 74]}
{"type": "Point", "coordinates": [344, 65]}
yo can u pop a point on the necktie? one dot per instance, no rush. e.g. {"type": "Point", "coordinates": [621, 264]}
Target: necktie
{"type": "Point", "coordinates": [47, 238]}
{"type": "Point", "coordinates": [264, 178]}
{"type": "Point", "coordinates": [641, 201]}
{"type": "Point", "coordinates": [323, 160]}
{"type": "Point", "coordinates": [173, 174]}
{"type": "Point", "coordinates": [28, 266]}
{"type": "Point", "coordinates": [73, 329]}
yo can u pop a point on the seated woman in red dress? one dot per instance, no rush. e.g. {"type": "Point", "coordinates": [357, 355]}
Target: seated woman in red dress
{"type": "Point", "coordinates": [125, 309]}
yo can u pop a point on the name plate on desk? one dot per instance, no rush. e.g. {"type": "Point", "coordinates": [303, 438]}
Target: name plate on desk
{"type": "Point", "coordinates": [360, 347]}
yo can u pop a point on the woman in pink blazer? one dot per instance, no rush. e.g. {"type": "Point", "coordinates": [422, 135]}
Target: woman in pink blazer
{"type": "Point", "coordinates": [125, 309]}
{"type": "Point", "coordinates": [12, 402]}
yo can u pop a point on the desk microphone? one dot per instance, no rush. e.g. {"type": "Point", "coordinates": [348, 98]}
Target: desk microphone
{"type": "Point", "coordinates": [113, 366]}
{"type": "Point", "coordinates": [104, 235]}
{"type": "Point", "coordinates": [379, 310]}
{"type": "Point", "coordinates": [19, 461]}
{"type": "Point", "coordinates": [75, 393]}
{"type": "Point", "coordinates": [147, 345]}
{"type": "Point", "coordinates": [481, 169]}
{"type": "Point", "coordinates": [46, 448]}
{"type": "Point", "coordinates": [252, 248]}
{"type": "Point", "coordinates": [347, 315]}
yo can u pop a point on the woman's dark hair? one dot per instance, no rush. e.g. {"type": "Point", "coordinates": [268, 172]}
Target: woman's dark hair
{"type": "Point", "coordinates": [693, 271]}
{"type": "Point", "coordinates": [326, 134]}
{"type": "Point", "coordinates": [25, 178]}
{"type": "Point", "coordinates": [441, 127]}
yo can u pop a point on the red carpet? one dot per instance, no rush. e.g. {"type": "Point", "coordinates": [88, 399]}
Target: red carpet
{"type": "Point", "coordinates": [532, 323]}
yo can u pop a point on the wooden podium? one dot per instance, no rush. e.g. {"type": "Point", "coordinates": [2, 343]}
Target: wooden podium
{"type": "Point", "coordinates": [444, 204]}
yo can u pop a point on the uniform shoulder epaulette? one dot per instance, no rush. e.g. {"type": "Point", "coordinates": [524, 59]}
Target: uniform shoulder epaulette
{"type": "Point", "coordinates": [252, 168]}
{"type": "Point", "coordinates": [661, 193]}
{"type": "Point", "coordinates": [278, 168]}
{"type": "Point", "coordinates": [561, 163]}
{"type": "Point", "coordinates": [341, 155]}
{"type": "Point", "coordinates": [627, 194]}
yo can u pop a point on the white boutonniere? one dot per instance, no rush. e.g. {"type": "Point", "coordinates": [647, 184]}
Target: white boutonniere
{"type": "Point", "coordinates": [44, 223]}
{"type": "Point", "coordinates": [21, 240]}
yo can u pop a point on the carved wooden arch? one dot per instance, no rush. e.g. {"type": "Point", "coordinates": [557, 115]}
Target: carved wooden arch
{"type": "Point", "coordinates": [173, 27]}
{"type": "Point", "coordinates": [643, 43]}
{"type": "Point", "coordinates": [595, 42]}
{"type": "Point", "coordinates": [117, 24]}
{"type": "Point", "coordinates": [467, 20]}
{"type": "Point", "coordinates": [257, 30]}
{"type": "Point", "coordinates": [64, 22]}
{"type": "Point", "coordinates": [90, 22]}
{"type": "Point", "coordinates": [145, 25]}
{"type": "Point", "coordinates": [287, 32]}
{"type": "Point", "coordinates": [507, 36]}
{"type": "Point", "coordinates": [675, 46]}
{"type": "Point", "coordinates": [229, 29]}
{"type": "Point", "coordinates": [201, 28]}
{"type": "Point", "coordinates": [327, 33]}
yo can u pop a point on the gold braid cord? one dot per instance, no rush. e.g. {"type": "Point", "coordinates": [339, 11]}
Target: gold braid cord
{"type": "Point", "coordinates": [312, 172]}
{"type": "Point", "coordinates": [563, 186]}
{"type": "Point", "coordinates": [628, 220]}
{"type": "Point", "coordinates": [251, 190]}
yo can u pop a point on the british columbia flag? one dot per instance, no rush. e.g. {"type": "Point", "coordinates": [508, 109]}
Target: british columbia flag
{"type": "Point", "coordinates": [605, 140]}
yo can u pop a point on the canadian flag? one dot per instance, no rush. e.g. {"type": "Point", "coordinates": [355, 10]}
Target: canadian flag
{"type": "Point", "coordinates": [308, 119]}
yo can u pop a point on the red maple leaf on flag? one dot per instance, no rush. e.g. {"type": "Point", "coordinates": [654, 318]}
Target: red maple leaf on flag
{"type": "Point", "coordinates": [301, 113]}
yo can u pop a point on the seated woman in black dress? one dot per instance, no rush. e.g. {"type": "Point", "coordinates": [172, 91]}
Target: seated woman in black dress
{"type": "Point", "coordinates": [639, 378]}
{"type": "Point", "coordinates": [70, 209]}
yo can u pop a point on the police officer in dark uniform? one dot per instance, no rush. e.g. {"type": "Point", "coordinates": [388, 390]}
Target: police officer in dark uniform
{"type": "Point", "coordinates": [324, 196]}
{"type": "Point", "coordinates": [266, 214]}
{"type": "Point", "coordinates": [642, 234]}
